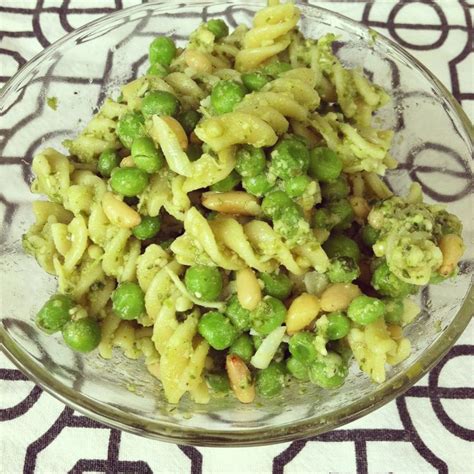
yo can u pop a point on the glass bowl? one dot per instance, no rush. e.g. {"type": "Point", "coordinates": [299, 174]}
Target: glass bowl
{"type": "Point", "coordinates": [433, 144]}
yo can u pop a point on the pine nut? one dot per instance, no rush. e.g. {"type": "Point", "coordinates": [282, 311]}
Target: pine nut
{"type": "Point", "coordinates": [338, 296]}
{"type": "Point", "coordinates": [360, 207]}
{"type": "Point", "coordinates": [301, 312]}
{"type": "Point", "coordinates": [119, 213]}
{"type": "Point", "coordinates": [240, 379]}
{"type": "Point", "coordinates": [249, 292]}
{"type": "Point", "coordinates": [127, 162]}
{"type": "Point", "coordinates": [395, 331]}
{"type": "Point", "coordinates": [452, 248]}
{"type": "Point", "coordinates": [232, 202]}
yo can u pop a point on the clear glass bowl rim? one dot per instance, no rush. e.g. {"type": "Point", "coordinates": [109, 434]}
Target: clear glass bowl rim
{"type": "Point", "coordinates": [246, 437]}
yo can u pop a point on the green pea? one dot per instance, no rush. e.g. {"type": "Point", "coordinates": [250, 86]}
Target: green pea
{"type": "Point", "coordinates": [129, 127]}
{"type": "Point", "coordinates": [302, 347]}
{"type": "Point", "coordinates": [218, 382]}
{"type": "Point", "coordinates": [277, 285]}
{"type": "Point", "coordinates": [322, 219]}
{"type": "Point", "coordinates": [239, 316]}
{"type": "Point", "coordinates": [257, 185]}
{"type": "Point", "coordinates": [254, 81]}
{"type": "Point", "coordinates": [82, 335]}
{"type": "Point", "coordinates": [194, 151]}
{"type": "Point", "coordinates": [159, 103]}
{"type": "Point", "coordinates": [342, 212]}
{"type": "Point", "coordinates": [146, 156]}
{"type": "Point", "coordinates": [388, 284]}
{"type": "Point", "coordinates": [276, 68]}
{"type": "Point", "coordinates": [128, 181]}
{"type": "Point", "coordinates": [217, 330]}
{"type": "Point", "coordinates": [226, 184]}
{"type": "Point", "coordinates": [162, 50]}
{"type": "Point", "coordinates": [218, 28]}
{"type": "Point", "coordinates": [447, 223]}
{"type": "Point", "coordinates": [297, 369]}
{"type": "Point", "coordinates": [54, 314]}
{"type": "Point", "coordinates": [250, 161]}
{"type": "Point", "coordinates": [328, 372]}
{"type": "Point", "coordinates": [257, 340]}
{"type": "Point", "coordinates": [148, 228]}
{"type": "Point", "coordinates": [393, 310]}
{"type": "Point", "coordinates": [342, 270]}
{"type": "Point", "coordinates": [108, 160]}
{"type": "Point", "coordinates": [274, 204]}
{"type": "Point", "coordinates": [338, 326]}
{"type": "Point", "coordinates": [288, 224]}
{"type": "Point", "coordinates": [290, 157]}
{"type": "Point", "coordinates": [296, 186]}
{"type": "Point", "coordinates": [189, 120]}
{"type": "Point", "coordinates": [325, 164]}
{"type": "Point", "coordinates": [243, 347]}
{"type": "Point", "coordinates": [128, 300]}
{"type": "Point", "coordinates": [270, 381]}
{"type": "Point", "coordinates": [226, 95]}
{"type": "Point", "coordinates": [203, 282]}
{"type": "Point", "coordinates": [268, 315]}
{"type": "Point", "coordinates": [158, 69]}
{"type": "Point", "coordinates": [369, 235]}
{"type": "Point", "coordinates": [335, 190]}
{"type": "Point", "coordinates": [365, 309]}
{"type": "Point", "coordinates": [339, 245]}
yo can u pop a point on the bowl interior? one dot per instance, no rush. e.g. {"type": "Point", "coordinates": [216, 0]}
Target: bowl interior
{"type": "Point", "coordinates": [431, 143]}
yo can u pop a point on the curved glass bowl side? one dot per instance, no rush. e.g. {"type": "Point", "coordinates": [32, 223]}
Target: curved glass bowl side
{"type": "Point", "coordinates": [169, 433]}
{"type": "Point", "coordinates": [59, 373]}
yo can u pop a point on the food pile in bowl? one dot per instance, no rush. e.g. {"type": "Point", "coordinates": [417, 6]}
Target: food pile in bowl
{"type": "Point", "coordinates": [224, 219]}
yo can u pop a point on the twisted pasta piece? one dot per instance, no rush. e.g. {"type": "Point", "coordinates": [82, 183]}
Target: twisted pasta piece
{"type": "Point", "coordinates": [267, 241]}
{"type": "Point", "coordinates": [182, 358]}
{"type": "Point", "coordinates": [120, 255]}
{"type": "Point", "coordinates": [88, 272]}
{"type": "Point", "coordinates": [166, 189]}
{"type": "Point", "coordinates": [236, 128]}
{"type": "Point", "coordinates": [85, 190]}
{"type": "Point", "coordinates": [150, 262]}
{"type": "Point", "coordinates": [201, 173]}
{"type": "Point", "coordinates": [38, 241]}
{"type": "Point", "coordinates": [185, 88]}
{"type": "Point", "coordinates": [134, 341]}
{"type": "Point", "coordinates": [120, 249]}
{"type": "Point", "coordinates": [52, 170]}
{"type": "Point", "coordinates": [199, 245]}
{"type": "Point", "coordinates": [209, 170]}
{"type": "Point", "coordinates": [161, 287]}
{"type": "Point", "coordinates": [228, 244]}
{"type": "Point", "coordinates": [374, 346]}
{"type": "Point", "coordinates": [99, 133]}
{"type": "Point", "coordinates": [70, 241]}
{"type": "Point", "coordinates": [262, 116]}
{"type": "Point", "coordinates": [269, 36]}
{"type": "Point", "coordinates": [360, 149]}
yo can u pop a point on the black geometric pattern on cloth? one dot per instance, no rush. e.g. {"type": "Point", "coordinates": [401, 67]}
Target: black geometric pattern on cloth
{"type": "Point", "coordinates": [69, 13]}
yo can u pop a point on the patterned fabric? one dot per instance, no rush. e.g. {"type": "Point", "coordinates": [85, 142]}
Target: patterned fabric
{"type": "Point", "coordinates": [430, 428]}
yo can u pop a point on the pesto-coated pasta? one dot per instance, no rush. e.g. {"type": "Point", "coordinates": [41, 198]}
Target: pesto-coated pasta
{"type": "Point", "coordinates": [226, 216]}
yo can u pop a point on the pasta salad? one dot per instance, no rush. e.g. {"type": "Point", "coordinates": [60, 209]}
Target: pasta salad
{"type": "Point", "coordinates": [224, 219]}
